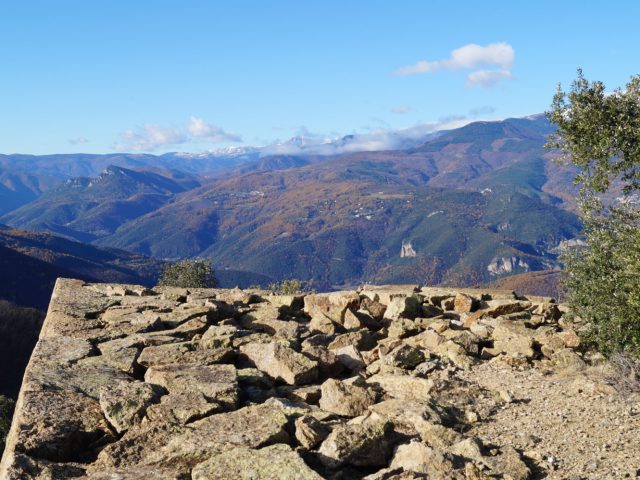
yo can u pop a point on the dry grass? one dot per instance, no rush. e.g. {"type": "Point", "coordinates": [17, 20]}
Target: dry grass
{"type": "Point", "coordinates": [624, 374]}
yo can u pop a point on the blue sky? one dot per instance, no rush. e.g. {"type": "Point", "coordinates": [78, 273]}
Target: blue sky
{"type": "Point", "coordinates": [103, 76]}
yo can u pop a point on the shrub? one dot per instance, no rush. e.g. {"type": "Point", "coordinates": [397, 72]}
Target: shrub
{"type": "Point", "coordinates": [291, 287]}
{"type": "Point", "coordinates": [188, 273]}
{"type": "Point", "coordinates": [603, 280]}
{"type": "Point", "coordinates": [598, 133]}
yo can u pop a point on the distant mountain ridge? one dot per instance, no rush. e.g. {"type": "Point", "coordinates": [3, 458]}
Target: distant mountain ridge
{"type": "Point", "coordinates": [32, 261]}
{"type": "Point", "coordinates": [464, 206]}
{"type": "Point", "coordinates": [86, 208]}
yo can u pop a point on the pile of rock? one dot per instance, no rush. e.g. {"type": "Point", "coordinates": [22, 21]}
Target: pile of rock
{"type": "Point", "coordinates": [130, 383]}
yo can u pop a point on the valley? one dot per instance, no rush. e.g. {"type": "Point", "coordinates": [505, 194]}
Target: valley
{"type": "Point", "coordinates": [461, 207]}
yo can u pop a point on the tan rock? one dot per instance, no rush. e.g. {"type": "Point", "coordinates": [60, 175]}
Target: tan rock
{"type": "Point", "coordinates": [125, 403]}
{"type": "Point", "coordinates": [276, 461]}
{"type": "Point", "coordinates": [333, 305]}
{"type": "Point", "coordinates": [366, 444]}
{"type": "Point", "coordinates": [404, 387]}
{"type": "Point", "coordinates": [310, 431]}
{"type": "Point", "coordinates": [218, 383]}
{"type": "Point", "coordinates": [464, 303]}
{"type": "Point", "coordinates": [281, 362]}
{"type": "Point", "coordinates": [341, 398]}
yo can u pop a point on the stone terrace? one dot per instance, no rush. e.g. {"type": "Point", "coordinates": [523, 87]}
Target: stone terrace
{"type": "Point", "coordinates": [388, 382]}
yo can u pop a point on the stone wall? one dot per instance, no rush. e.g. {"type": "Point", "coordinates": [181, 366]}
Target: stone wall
{"type": "Point", "coordinates": [131, 383]}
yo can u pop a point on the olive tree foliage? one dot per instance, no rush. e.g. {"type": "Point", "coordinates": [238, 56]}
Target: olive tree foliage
{"type": "Point", "coordinates": [188, 273]}
{"type": "Point", "coordinates": [599, 132]}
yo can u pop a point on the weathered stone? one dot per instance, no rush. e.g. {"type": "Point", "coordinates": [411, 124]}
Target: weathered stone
{"type": "Point", "coordinates": [352, 321]}
{"type": "Point", "coordinates": [333, 305]}
{"type": "Point", "coordinates": [374, 308]}
{"type": "Point", "coordinates": [218, 336]}
{"type": "Point", "coordinates": [182, 408]}
{"type": "Point", "coordinates": [218, 383]}
{"type": "Point", "coordinates": [328, 361]}
{"type": "Point", "coordinates": [124, 403]}
{"type": "Point", "coordinates": [310, 431]}
{"type": "Point", "coordinates": [366, 444]}
{"type": "Point", "coordinates": [402, 328]}
{"type": "Point", "coordinates": [350, 357]}
{"type": "Point", "coordinates": [438, 436]}
{"type": "Point", "coordinates": [362, 339]}
{"type": "Point", "coordinates": [182, 421]}
{"type": "Point", "coordinates": [418, 458]}
{"type": "Point", "coordinates": [286, 303]}
{"type": "Point", "coordinates": [265, 318]}
{"type": "Point", "coordinates": [568, 360]}
{"type": "Point", "coordinates": [430, 311]}
{"type": "Point", "coordinates": [470, 448]}
{"type": "Point", "coordinates": [509, 463]}
{"type": "Point", "coordinates": [321, 323]}
{"type": "Point", "coordinates": [276, 461]}
{"type": "Point", "coordinates": [139, 473]}
{"type": "Point", "coordinates": [405, 356]}
{"type": "Point", "coordinates": [174, 445]}
{"type": "Point", "coordinates": [404, 387]}
{"type": "Point", "coordinates": [309, 394]}
{"type": "Point", "coordinates": [184, 353]}
{"type": "Point", "coordinates": [281, 362]}
{"type": "Point", "coordinates": [341, 398]}
{"type": "Point", "coordinates": [403, 307]}
{"type": "Point", "coordinates": [386, 293]}
{"type": "Point", "coordinates": [495, 308]}
{"type": "Point", "coordinates": [71, 433]}
{"type": "Point", "coordinates": [464, 303]}
{"type": "Point", "coordinates": [407, 416]}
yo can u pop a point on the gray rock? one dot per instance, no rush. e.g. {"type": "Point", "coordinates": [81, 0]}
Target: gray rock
{"type": "Point", "coordinates": [363, 445]}
{"type": "Point", "coordinates": [218, 383]}
{"type": "Point", "coordinates": [276, 461]}
{"type": "Point", "coordinates": [341, 398]}
{"type": "Point", "coordinates": [124, 403]}
{"type": "Point", "coordinates": [281, 362]}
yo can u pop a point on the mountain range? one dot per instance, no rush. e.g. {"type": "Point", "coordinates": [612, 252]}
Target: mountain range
{"type": "Point", "coordinates": [463, 206]}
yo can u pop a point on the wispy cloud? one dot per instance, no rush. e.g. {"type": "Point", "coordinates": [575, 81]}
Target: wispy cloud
{"type": "Point", "coordinates": [401, 109]}
{"type": "Point", "coordinates": [374, 140]}
{"type": "Point", "coordinates": [487, 78]}
{"type": "Point", "coordinates": [200, 129]}
{"type": "Point", "coordinates": [78, 141]}
{"type": "Point", "coordinates": [151, 137]}
{"type": "Point", "coordinates": [470, 57]}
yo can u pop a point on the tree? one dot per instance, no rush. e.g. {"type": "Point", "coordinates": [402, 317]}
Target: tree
{"type": "Point", "coordinates": [599, 133]}
{"type": "Point", "coordinates": [188, 273]}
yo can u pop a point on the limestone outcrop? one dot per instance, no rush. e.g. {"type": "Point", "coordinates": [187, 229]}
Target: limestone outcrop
{"type": "Point", "coordinates": [387, 382]}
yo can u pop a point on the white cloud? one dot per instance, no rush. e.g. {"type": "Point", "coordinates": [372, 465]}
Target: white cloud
{"type": "Point", "coordinates": [487, 78]}
{"type": "Point", "coordinates": [375, 140]}
{"type": "Point", "coordinates": [151, 137]}
{"type": "Point", "coordinates": [200, 129]}
{"type": "Point", "coordinates": [401, 109]}
{"type": "Point", "coordinates": [472, 56]}
{"type": "Point", "coordinates": [78, 141]}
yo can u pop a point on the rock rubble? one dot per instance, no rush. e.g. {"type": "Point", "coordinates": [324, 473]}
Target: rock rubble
{"type": "Point", "coordinates": [383, 383]}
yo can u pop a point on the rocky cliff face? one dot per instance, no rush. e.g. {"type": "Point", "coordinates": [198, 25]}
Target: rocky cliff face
{"type": "Point", "coordinates": [382, 383]}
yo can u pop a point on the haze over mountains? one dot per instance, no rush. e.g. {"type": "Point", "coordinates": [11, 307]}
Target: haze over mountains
{"type": "Point", "coordinates": [463, 206]}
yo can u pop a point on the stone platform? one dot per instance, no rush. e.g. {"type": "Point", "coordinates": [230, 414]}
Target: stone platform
{"type": "Point", "coordinates": [132, 383]}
